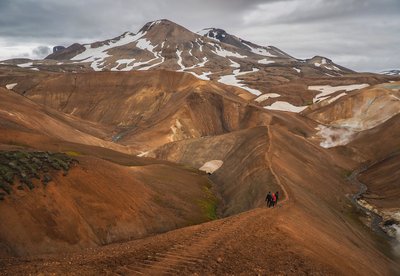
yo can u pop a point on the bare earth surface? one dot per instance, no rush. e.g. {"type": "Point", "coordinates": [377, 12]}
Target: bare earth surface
{"type": "Point", "coordinates": [250, 243]}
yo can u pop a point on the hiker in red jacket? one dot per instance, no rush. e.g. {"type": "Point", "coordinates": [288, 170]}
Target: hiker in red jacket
{"type": "Point", "coordinates": [273, 201]}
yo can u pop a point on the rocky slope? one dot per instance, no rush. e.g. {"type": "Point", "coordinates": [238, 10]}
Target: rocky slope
{"type": "Point", "coordinates": [115, 123]}
{"type": "Point", "coordinates": [211, 54]}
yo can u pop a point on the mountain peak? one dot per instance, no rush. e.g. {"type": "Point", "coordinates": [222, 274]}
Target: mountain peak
{"type": "Point", "coordinates": [213, 33]}
{"type": "Point", "coordinates": [162, 25]}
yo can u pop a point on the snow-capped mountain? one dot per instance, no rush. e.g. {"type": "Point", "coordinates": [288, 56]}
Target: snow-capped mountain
{"type": "Point", "coordinates": [207, 54]}
{"type": "Point", "coordinates": [211, 54]}
{"type": "Point", "coordinates": [393, 72]}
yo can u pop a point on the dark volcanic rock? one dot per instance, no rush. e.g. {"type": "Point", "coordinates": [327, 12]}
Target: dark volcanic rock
{"type": "Point", "coordinates": [58, 48]}
{"type": "Point", "coordinates": [67, 53]}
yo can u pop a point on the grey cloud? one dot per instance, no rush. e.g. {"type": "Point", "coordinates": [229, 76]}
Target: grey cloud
{"type": "Point", "coordinates": [361, 34]}
{"type": "Point", "coordinates": [41, 51]}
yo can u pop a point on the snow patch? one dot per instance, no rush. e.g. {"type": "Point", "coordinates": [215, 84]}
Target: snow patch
{"type": "Point", "coordinates": [200, 45]}
{"type": "Point", "coordinates": [144, 44]}
{"type": "Point", "coordinates": [203, 63]}
{"type": "Point", "coordinates": [154, 65]}
{"type": "Point", "coordinates": [121, 62]}
{"type": "Point", "coordinates": [234, 64]}
{"type": "Point", "coordinates": [259, 51]}
{"type": "Point", "coordinates": [327, 89]}
{"type": "Point", "coordinates": [225, 53]}
{"type": "Point", "coordinates": [266, 61]}
{"type": "Point", "coordinates": [25, 65]}
{"type": "Point", "coordinates": [211, 166]}
{"type": "Point", "coordinates": [203, 76]}
{"type": "Point", "coordinates": [232, 80]}
{"type": "Point", "coordinates": [11, 85]}
{"type": "Point", "coordinates": [296, 69]}
{"type": "Point", "coordinates": [98, 55]}
{"type": "Point", "coordinates": [323, 61]}
{"type": "Point", "coordinates": [267, 96]}
{"type": "Point", "coordinates": [143, 154]}
{"type": "Point", "coordinates": [285, 106]}
{"type": "Point", "coordinates": [179, 61]}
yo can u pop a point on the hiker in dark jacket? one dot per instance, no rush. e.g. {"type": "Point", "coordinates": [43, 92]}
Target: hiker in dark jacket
{"type": "Point", "coordinates": [268, 199]}
{"type": "Point", "coordinates": [277, 197]}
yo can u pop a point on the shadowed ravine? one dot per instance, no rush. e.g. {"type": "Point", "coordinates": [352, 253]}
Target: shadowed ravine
{"type": "Point", "coordinates": [376, 219]}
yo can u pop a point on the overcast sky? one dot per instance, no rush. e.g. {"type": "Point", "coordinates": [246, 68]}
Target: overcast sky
{"type": "Point", "coordinates": [360, 34]}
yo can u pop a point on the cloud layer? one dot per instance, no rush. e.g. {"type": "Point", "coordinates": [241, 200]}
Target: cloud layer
{"type": "Point", "coordinates": [359, 34]}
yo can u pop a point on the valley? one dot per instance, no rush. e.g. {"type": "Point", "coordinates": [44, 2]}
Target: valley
{"type": "Point", "coordinates": [173, 139]}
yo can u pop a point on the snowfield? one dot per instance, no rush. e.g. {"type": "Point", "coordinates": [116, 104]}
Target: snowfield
{"type": "Point", "coordinates": [326, 90]}
{"type": "Point", "coordinates": [285, 106]}
{"type": "Point", "coordinates": [98, 55]}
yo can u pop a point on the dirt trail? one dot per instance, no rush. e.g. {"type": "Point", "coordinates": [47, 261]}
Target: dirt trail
{"type": "Point", "coordinates": [188, 254]}
{"type": "Point", "coordinates": [268, 157]}
{"type": "Point", "coordinates": [217, 247]}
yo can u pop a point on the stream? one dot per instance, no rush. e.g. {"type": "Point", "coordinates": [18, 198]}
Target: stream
{"type": "Point", "coordinates": [376, 219]}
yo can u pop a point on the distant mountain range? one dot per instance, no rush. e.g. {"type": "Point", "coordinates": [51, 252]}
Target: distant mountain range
{"type": "Point", "coordinates": [210, 54]}
{"type": "Point", "coordinates": [394, 72]}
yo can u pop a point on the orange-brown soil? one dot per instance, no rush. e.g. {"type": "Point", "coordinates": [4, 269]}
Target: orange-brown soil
{"type": "Point", "coordinates": [382, 180]}
{"type": "Point", "coordinates": [112, 196]}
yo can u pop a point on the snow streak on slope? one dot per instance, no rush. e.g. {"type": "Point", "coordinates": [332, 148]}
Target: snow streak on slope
{"type": "Point", "coordinates": [98, 55]}
{"type": "Point", "coordinates": [326, 90]}
{"type": "Point", "coordinates": [259, 51]}
{"type": "Point", "coordinates": [327, 65]}
{"type": "Point", "coordinates": [266, 61]}
{"type": "Point", "coordinates": [125, 62]}
{"type": "Point", "coordinates": [203, 76]}
{"type": "Point", "coordinates": [144, 44]}
{"type": "Point", "coordinates": [179, 61]}
{"type": "Point", "coordinates": [225, 53]}
{"type": "Point", "coordinates": [234, 64]}
{"type": "Point", "coordinates": [232, 80]}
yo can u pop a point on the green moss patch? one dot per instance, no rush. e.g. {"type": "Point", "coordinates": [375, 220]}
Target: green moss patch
{"type": "Point", "coordinates": [209, 203]}
{"type": "Point", "coordinates": [26, 166]}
